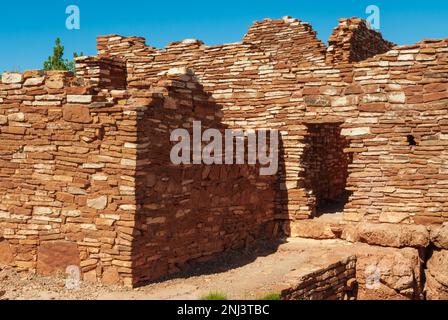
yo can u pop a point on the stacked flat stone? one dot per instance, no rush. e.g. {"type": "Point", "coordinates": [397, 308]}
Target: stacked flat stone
{"type": "Point", "coordinates": [84, 162]}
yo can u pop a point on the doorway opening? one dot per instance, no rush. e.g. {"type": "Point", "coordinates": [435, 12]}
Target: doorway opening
{"type": "Point", "coordinates": [326, 168]}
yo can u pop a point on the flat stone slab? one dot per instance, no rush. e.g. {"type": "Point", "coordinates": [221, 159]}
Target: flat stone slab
{"type": "Point", "coordinates": [333, 226]}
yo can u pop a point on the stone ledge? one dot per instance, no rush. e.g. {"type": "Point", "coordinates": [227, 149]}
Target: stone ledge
{"type": "Point", "coordinates": [393, 235]}
{"type": "Point", "coordinates": [379, 234]}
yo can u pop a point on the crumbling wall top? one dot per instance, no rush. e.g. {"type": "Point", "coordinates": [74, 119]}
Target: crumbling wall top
{"type": "Point", "coordinates": [353, 41]}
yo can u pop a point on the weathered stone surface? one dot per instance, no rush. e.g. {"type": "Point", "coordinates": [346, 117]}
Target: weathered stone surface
{"type": "Point", "coordinates": [55, 82]}
{"type": "Point", "coordinates": [34, 81]}
{"type": "Point", "coordinates": [76, 113]}
{"type": "Point", "coordinates": [350, 233]}
{"type": "Point", "coordinates": [317, 101]}
{"type": "Point", "coordinates": [6, 253]}
{"type": "Point", "coordinates": [397, 97]}
{"type": "Point", "coordinates": [434, 289]}
{"type": "Point", "coordinates": [393, 217]}
{"type": "Point", "coordinates": [355, 131]}
{"type": "Point", "coordinates": [55, 256]}
{"type": "Point", "coordinates": [12, 77]}
{"type": "Point", "coordinates": [439, 236]}
{"type": "Point", "coordinates": [312, 230]}
{"type": "Point", "coordinates": [79, 98]}
{"type": "Point", "coordinates": [99, 203]}
{"type": "Point", "coordinates": [90, 276]}
{"type": "Point", "coordinates": [18, 117]}
{"type": "Point", "coordinates": [437, 276]}
{"type": "Point", "coordinates": [394, 235]}
{"type": "Point", "coordinates": [33, 74]}
{"type": "Point", "coordinates": [3, 119]}
{"type": "Point", "coordinates": [388, 273]}
{"type": "Point", "coordinates": [111, 276]}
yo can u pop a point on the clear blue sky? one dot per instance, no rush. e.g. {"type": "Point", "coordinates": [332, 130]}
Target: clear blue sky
{"type": "Point", "coordinates": [28, 28]}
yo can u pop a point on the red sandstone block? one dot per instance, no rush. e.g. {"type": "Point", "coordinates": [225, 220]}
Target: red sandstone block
{"type": "Point", "coordinates": [415, 98]}
{"type": "Point", "coordinates": [373, 107]}
{"type": "Point", "coordinates": [13, 130]}
{"type": "Point", "coordinates": [311, 91]}
{"type": "Point", "coordinates": [76, 113]}
{"type": "Point", "coordinates": [435, 96]}
{"type": "Point", "coordinates": [425, 220]}
{"type": "Point", "coordinates": [65, 197]}
{"type": "Point", "coordinates": [436, 87]}
{"type": "Point", "coordinates": [20, 210]}
{"type": "Point", "coordinates": [77, 90]}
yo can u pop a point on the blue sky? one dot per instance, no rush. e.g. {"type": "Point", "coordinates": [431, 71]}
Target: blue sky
{"type": "Point", "coordinates": [28, 28]}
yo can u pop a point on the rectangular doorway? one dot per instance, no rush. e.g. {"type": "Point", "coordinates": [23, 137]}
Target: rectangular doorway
{"type": "Point", "coordinates": [326, 168]}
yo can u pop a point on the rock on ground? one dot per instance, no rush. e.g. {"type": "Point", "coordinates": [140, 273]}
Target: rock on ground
{"type": "Point", "coordinates": [437, 276]}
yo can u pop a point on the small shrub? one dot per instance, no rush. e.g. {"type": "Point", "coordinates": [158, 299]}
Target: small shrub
{"type": "Point", "coordinates": [57, 62]}
{"type": "Point", "coordinates": [215, 296]}
{"type": "Point", "coordinates": [272, 296]}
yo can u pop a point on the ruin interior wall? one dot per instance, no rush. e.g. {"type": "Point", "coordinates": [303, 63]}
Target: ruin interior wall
{"type": "Point", "coordinates": [189, 213]}
{"type": "Point", "coordinates": [86, 178]}
{"type": "Point", "coordinates": [280, 76]}
{"type": "Point", "coordinates": [260, 83]}
{"type": "Point", "coordinates": [400, 171]}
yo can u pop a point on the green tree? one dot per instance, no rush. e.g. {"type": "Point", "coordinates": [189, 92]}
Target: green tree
{"type": "Point", "coordinates": [57, 62]}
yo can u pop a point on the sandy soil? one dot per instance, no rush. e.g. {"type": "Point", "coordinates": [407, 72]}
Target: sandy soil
{"type": "Point", "coordinates": [243, 275]}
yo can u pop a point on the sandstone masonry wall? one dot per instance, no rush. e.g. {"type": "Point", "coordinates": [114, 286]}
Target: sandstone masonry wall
{"type": "Point", "coordinates": [280, 77]}
{"type": "Point", "coordinates": [65, 176]}
{"type": "Point", "coordinates": [400, 167]}
{"type": "Point", "coordinates": [336, 282]}
{"type": "Point", "coordinates": [83, 161]}
{"type": "Point", "coordinates": [191, 212]}
{"type": "Point", "coordinates": [253, 81]}
{"type": "Point", "coordinates": [352, 41]}
{"type": "Point", "coordinates": [86, 178]}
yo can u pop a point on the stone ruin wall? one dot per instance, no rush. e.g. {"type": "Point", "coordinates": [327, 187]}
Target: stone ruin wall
{"type": "Point", "coordinates": [86, 178]}
{"type": "Point", "coordinates": [405, 97]}
{"type": "Point", "coordinates": [67, 173]}
{"type": "Point", "coordinates": [279, 77]}
{"type": "Point", "coordinates": [378, 94]}
{"type": "Point", "coordinates": [191, 212]}
{"type": "Point", "coordinates": [260, 83]}
{"type": "Point", "coordinates": [352, 42]}
{"type": "Point", "coordinates": [335, 282]}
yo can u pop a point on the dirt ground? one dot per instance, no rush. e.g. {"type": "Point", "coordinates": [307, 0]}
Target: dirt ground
{"type": "Point", "coordinates": [243, 275]}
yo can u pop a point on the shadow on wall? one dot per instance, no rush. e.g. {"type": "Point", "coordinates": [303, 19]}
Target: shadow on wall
{"type": "Point", "coordinates": [187, 214]}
